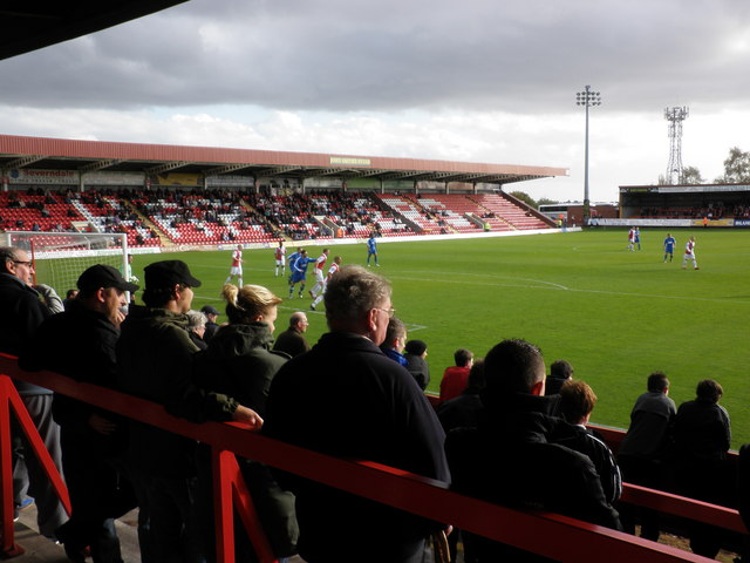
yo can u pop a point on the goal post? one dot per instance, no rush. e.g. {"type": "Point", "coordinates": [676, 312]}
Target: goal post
{"type": "Point", "coordinates": [60, 258]}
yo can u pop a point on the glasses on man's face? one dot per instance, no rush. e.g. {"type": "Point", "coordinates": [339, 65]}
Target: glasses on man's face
{"type": "Point", "coordinates": [27, 263]}
{"type": "Point", "coordinates": [390, 312]}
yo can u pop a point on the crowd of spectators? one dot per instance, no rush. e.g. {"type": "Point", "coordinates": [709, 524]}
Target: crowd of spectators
{"type": "Point", "coordinates": [351, 395]}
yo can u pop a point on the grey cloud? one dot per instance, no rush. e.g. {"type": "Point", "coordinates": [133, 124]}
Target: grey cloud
{"type": "Point", "coordinates": [528, 56]}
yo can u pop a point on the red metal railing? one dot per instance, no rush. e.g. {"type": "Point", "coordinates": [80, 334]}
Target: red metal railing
{"type": "Point", "coordinates": [564, 539]}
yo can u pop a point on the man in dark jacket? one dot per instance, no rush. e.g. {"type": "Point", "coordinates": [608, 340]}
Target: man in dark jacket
{"type": "Point", "coordinates": [507, 458]}
{"type": "Point", "coordinates": [292, 340]}
{"type": "Point", "coordinates": [155, 362]}
{"type": "Point", "coordinates": [23, 307]}
{"type": "Point", "coordinates": [80, 343]}
{"type": "Point", "coordinates": [346, 398]}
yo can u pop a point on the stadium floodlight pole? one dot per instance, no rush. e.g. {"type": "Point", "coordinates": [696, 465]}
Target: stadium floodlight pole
{"type": "Point", "coordinates": [587, 99]}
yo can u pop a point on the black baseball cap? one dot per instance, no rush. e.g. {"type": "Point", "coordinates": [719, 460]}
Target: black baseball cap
{"type": "Point", "coordinates": [169, 273]}
{"type": "Point", "coordinates": [101, 275]}
{"type": "Point", "coordinates": [209, 310]}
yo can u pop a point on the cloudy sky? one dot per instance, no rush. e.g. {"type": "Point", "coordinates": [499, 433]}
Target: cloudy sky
{"type": "Point", "coordinates": [480, 80]}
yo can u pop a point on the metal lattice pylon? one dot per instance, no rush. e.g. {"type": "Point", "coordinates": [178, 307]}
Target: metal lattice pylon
{"type": "Point", "coordinates": [675, 116]}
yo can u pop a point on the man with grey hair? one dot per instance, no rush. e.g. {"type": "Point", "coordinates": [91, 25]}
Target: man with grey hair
{"type": "Point", "coordinates": [23, 307]}
{"type": "Point", "coordinates": [346, 398]}
{"type": "Point", "coordinates": [292, 340]}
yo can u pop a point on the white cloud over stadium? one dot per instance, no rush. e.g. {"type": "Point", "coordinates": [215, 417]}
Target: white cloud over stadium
{"type": "Point", "coordinates": [482, 81]}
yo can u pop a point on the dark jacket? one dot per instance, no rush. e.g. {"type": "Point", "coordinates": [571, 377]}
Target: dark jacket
{"type": "Point", "coordinates": [589, 444]}
{"type": "Point", "coordinates": [507, 460]}
{"type": "Point", "coordinates": [239, 363]}
{"type": "Point", "coordinates": [80, 344]}
{"type": "Point", "coordinates": [419, 369]}
{"type": "Point", "coordinates": [291, 342]}
{"type": "Point", "coordinates": [22, 311]}
{"type": "Point", "coordinates": [346, 398]}
{"type": "Point", "coordinates": [155, 362]}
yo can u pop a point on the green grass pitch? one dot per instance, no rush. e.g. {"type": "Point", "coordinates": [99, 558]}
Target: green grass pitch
{"type": "Point", "coordinates": [615, 315]}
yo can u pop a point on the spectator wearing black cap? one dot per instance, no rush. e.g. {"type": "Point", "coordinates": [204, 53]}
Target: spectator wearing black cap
{"type": "Point", "coordinates": [212, 313]}
{"type": "Point", "coordinates": [80, 343]}
{"type": "Point", "coordinates": [415, 353]}
{"type": "Point", "coordinates": [559, 372]}
{"type": "Point", "coordinates": [155, 362]}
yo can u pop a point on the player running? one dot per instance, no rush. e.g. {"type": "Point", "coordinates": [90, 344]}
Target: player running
{"type": "Point", "coordinates": [279, 255]}
{"type": "Point", "coordinates": [690, 254]}
{"type": "Point", "coordinates": [320, 282]}
{"type": "Point", "coordinates": [331, 272]}
{"type": "Point", "coordinates": [299, 273]}
{"type": "Point", "coordinates": [372, 250]}
{"type": "Point", "coordinates": [631, 239]}
{"type": "Point", "coordinates": [669, 244]}
{"type": "Point", "coordinates": [236, 270]}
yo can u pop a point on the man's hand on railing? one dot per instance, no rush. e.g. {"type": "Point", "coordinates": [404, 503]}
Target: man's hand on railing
{"type": "Point", "coordinates": [248, 416]}
{"type": "Point", "coordinates": [102, 425]}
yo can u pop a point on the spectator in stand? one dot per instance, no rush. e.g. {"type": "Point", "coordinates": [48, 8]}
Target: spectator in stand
{"type": "Point", "coordinates": [239, 363]}
{"type": "Point", "coordinates": [292, 341]}
{"type": "Point", "coordinates": [346, 398]}
{"type": "Point", "coordinates": [212, 314]}
{"type": "Point", "coordinates": [559, 372]}
{"type": "Point", "coordinates": [395, 340]}
{"type": "Point", "coordinates": [415, 353]}
{"type": "Point", "coordinates": [702, 436]}
{"type": "Point", "coordinates": [155, 362]}
{"type": "Point", "coordinates": [643, 450]}
{"type": "Point", "coordinates": [80, 343]}
{"type": "Point", "coordinates": [463, 412]}
{"type": "Point", "coordinates": [456, 378]}
{"type": "Point", "coordinates": [24, 307]}
{"type": "Point", "coordinates": [197, 328]}
{"type": "Point", "coordinates": [577, 401]}
{"type": "Point", "coordinates": [515, 423]}
{"type": "Point", "coordinates": [70, 296]}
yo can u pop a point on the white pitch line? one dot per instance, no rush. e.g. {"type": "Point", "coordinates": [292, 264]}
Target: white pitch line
{"type": "Point", "coordinates": [552, 286]}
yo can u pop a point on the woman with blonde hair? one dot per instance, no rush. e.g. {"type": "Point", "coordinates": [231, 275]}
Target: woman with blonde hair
{"type": "Point", "coordinates": [239, 362]}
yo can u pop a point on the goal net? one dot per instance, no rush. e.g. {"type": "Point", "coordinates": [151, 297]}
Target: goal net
{"type": "Point", "coordinates": [60, 258]}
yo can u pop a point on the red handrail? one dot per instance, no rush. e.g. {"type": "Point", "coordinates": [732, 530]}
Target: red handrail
{"type": "Point", "coordinates": [565, 539]}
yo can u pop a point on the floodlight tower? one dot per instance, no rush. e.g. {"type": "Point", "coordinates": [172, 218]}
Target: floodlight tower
{"type": "Point", "coordinates": [587, 99]}
{"type": "Point", "coordinates": [675, 116]}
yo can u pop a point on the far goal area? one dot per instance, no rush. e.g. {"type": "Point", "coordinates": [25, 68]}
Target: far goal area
{"type": "Point", "coordinates": [59, 258]}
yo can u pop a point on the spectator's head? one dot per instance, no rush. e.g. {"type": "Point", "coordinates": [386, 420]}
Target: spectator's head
{"type": "Point", "coordinates": [416, 348]}
{"type": "Point", "coordinates": [298, 321]}
{"type": "Point", "coordinates": [463, 358]}
{"type": "Point", "coordinates": [395, 335]}
{"type": "Point", "coordinates": [169, 284]}
{"type": "Point", "coordinates": [102, 289]}
{"type": "Point", "coordinates": [359, 301]}
{"type": "Point", "coordinates": [658, 382]}
{"type": "Point", "coordinates": [476, 377]}
{"type": "Point", "coordinates": [709, 390]}
{"type": "Point", "coordinates": [251, 304]}
{"type": "Point", "coordinates": [561, 369]}
{"type": "Point", "coordinates": [577, 400]}
{"type": "Point", "coordinates": [513, 366]}
{"type": "Point", "coordinates": [17, 263]}
{"type": "Point", "coordinates": [197, 322]}
{"type": "Point", "coordinates": [71, 294]}
{"type": "Point", "coordinates": [211, 312]}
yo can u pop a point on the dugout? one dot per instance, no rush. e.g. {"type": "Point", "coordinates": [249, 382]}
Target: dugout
{"type": "Point", "coordinates": [711, 205]}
